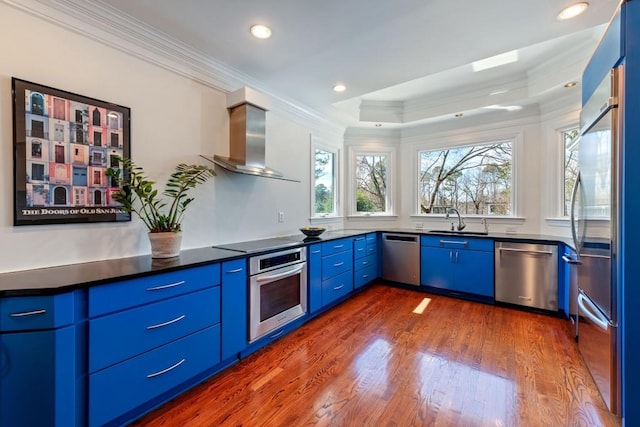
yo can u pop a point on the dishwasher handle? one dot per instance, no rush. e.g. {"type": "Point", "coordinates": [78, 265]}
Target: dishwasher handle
{"type": "Point", "coordinates": [401, 238]}
{"type": "Point", "coordinates": [527, 251]}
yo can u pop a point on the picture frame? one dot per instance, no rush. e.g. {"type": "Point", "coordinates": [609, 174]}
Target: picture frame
{"type": "Point", "coordinates": [63, 144]}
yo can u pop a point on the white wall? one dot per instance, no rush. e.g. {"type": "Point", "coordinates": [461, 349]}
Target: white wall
{"type": "Point", "coordinates": [173, 119]}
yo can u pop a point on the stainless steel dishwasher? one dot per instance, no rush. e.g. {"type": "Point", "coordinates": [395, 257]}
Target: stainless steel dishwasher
{"type": "Point", "coordinates": [401, 258]}
{"type": "Point", "coordinates": [527, 274]}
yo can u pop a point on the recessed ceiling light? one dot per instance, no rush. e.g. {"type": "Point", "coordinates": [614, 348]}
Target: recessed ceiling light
{"type": "Point", "coordinates": [260, 31]}
{"type": "Point", "coordinates": [339, 87]}
{"type": "Point", "coordinates": [573, 10]}
{"type": "Point", "coordinates": [495, 61]}
{"type": "Point", "coordinates": [459, 114]}
{"type": "Point", "coordinates": [570, 84]}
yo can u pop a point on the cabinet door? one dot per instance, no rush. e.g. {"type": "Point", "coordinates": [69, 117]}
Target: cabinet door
{"type": "Point", "coordinates": [234, 308]}
{"type": "Point", "coordinates": [436, 267]}
{"type": "Point", "coordinates": [314, 267]}
{"type": "Point", "coordinates": [37, 378]}
{"type": "Point", "coordinates": [473, 272]}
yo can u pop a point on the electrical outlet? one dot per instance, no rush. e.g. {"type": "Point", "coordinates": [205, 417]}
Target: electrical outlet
{"type": "Point", "coordinates": [280, 216]}
{"type": "Point", "coordinates": [511, 230]}
{"type": "Point", "coordinates": [419, 225]}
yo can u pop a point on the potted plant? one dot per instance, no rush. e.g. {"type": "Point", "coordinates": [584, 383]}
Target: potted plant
{"type": "Point", "coordinates": [138, 194]}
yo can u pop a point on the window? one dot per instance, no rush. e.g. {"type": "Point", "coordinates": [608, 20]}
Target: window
{"type": "Point", "coordinates": [569, 167]}
{"type": "Point", "coordinates": [324, 192]}
{"type": "Point", "coordinates": [371, 190]}
{"type": "Point", "coordinates": [475, 180]}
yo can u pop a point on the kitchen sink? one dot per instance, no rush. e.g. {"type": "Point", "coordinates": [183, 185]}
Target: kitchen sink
{"type": "Point", "coordinates": [460, 233]}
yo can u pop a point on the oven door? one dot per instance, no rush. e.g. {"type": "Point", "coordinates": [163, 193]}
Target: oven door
{"type": "Point", "coordinates": [277, 297]}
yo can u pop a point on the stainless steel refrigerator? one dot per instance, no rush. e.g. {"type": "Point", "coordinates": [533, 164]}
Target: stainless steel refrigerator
{"type": "Point", "coordinates": [594, 225]}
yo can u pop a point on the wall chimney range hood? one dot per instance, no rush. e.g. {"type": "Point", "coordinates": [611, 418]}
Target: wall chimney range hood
{"type": "Point", "coordinates": [247, 142]}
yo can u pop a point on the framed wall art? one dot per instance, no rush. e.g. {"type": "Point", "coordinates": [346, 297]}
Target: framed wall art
{"type": "Point", "coordinates": [63, 144]}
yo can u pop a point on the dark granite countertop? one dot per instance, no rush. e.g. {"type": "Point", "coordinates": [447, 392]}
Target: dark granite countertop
{"type": "Point", "coordinates": [52, 280]}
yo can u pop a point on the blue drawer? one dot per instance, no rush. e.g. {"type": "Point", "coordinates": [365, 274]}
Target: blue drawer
{"type": "Point", "coordinates": [372, 238]}
{"type": "Point", "coordinates": [372, 248]}
{"type": "Point", "coordinates": [359, 248]}
{"type": "Point", "coordinates": [130, 293]}
{"type": "Point", "coordinates": [127, 385]}
{"type": "Point", "coordinates": [365, 262]}
{"type": "Point", "coordinates": [315, 249]}
{"type": "Point", "coordinates": [120, 336]}
{"type": "Point", "coordinates": [335, 246]}
{"type": "Point", "coordinates": [37, 312]}
{"type": "Point", "coordinates": [336, 287]}
{"type": "Point", "coordinates": [364, 276]}
{"type": "Point", "coordinates": [335, 264]}
{"type": "Point", "coordinates": [458, 242]}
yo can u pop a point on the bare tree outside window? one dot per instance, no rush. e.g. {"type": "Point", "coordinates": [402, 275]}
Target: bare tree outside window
{"type": "Point", "coordinates": [371, 183]}
{"type": "Point", "coordinates": [570, 167]}
{"type": "Point", "coordinates": [475, 180]}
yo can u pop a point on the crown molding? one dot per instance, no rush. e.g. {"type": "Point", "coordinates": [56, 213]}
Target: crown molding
{"type": "Point", "coordinates": [104, 24]}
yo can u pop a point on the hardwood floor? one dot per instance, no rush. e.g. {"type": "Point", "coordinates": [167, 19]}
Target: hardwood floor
{"type": "Point", "coordinates": [372, 361]}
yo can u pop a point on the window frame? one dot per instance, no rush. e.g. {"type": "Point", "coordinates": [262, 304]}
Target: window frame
{"type": "Point", "coordinates": [562, 170]}
{"type": "Point", "coordinates": [514, 139]}
{"type": "Point", "coordinates": [316, 144]}
{"type": "Point", "coordinates": [390, 204]}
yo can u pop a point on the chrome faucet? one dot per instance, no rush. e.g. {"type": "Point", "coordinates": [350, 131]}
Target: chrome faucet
{"type": "Point", "coordinates": [483, 221]}
{"type": "Point", "coordinates": [461, 224]}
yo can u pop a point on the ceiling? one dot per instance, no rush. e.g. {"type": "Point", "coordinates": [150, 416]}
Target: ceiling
{"type": "Point", "coordinates": [403, 62]}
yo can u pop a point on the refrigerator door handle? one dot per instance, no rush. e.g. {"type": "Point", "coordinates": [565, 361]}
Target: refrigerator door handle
{"type": "Point", "coordinates": [574, 234]}
{"type": "Point", "coordinates": [592, 312]}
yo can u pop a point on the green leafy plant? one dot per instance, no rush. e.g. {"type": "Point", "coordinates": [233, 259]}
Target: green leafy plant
{"type": "Point", "coordinates": [138, 194]}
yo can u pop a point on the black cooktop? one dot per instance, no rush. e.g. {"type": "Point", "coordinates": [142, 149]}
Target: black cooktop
{"type": "Point", "coordinates": [263, 245]}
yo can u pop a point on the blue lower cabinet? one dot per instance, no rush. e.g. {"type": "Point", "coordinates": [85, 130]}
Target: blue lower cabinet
{"type": "Point", "coordinates": [314, 268]}
{"type": "Point", "coordinates": [337, 287]}
{"type": "Point", "coordinates": [457, 270]}
{"type": "Point", "coordinates": [117, 390]}
{"type": "Point", "coordinates": [234, 308]}
{"type": "Point", "coordinates": [365, 275]}
{"type": "Point", "coordinates": [38, 378]}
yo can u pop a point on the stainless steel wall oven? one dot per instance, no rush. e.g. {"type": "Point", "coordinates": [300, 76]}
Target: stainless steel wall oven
{"type": "Point", "coordinates": [277, 290]}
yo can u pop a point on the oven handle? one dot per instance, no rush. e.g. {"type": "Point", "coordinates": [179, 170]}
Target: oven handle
{"type": "Point", "coordinates": [291, 271]}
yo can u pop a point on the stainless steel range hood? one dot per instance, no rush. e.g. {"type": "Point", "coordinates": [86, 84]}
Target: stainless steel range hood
{"type": "Point", "coordinates": [247, 130]}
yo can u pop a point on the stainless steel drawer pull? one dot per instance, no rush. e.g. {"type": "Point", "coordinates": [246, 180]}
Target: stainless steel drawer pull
{"type": "Point", "coordinates": [164, 371]}
{"type": "Point", "coordinates": [338, 264]}
{"type": "Point", "coordinates": [316, 252]}
{"type": "Point", "coordinates": [338, 246]}
{"type": "Point", "coordinates": [454, 242]}
{"type": "Point", "coordinates": [360, 249]}
{"type": "Point", "coordinates": [28, 313]}
{"type": "Point", "coordinates": [365, 262]}
{"type": "Point", "coordinates": [170, 285]}
{"type": "Point", "coordinates": [569, 260]}
{"type": "Point", "coordinates": [364, 276]}
{"type": "Point", "coordinates": [527, 251]}
{"type": "Point", "coordinates": [524, 298]}
{"type": "Point", "coordinates": [337, 288]}
{"type": "Point", "coordinates": [160, 325]}
{"type": "Point", "coordinates": [237, 270]}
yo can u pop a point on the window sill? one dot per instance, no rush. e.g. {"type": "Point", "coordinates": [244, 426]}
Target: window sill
{"type": "Point", "coordinates": [328, 218]}
{"type": "Point", "coordinates": [472, 218]}
{"type": "Point", "coordinates": [373, 217]}
{"type": "Point", "coordinates": [558, 222]}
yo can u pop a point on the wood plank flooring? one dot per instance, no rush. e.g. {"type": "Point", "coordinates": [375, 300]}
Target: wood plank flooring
{"type": "Point", "coordinates": [372, 361]}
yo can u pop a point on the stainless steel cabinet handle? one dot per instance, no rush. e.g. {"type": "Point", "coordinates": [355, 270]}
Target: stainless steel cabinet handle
{"type": "Point", "coordinates": [338, 246]}
{"type": "Point", "coordinates": [454, 242]}
{"type": "Point", "coordinates": [337, 288]}
{"type": "Point", "coordinates": [365, 262]}
{"type": "Point", "coordinates": [338, 264]}
{"type": "Point", "coordinates": [164, 371]}
{"type": "Point", "coordinates": [160, 325]}
{"type": "Point", "coordinates": [236, 270]}
{"type": "Point", "coordinates": [278, 334]}
{"type": "Point", "coordinates": [591, 312]}
{"type": "Point", "coordinates": [524, 298]}
{"type": "Point", "coordinates": [457, 253]}
{"type": "Point", "coordinates": [360, 249]}
{"type": "Point", "coordinates": [28, 313]}
{"type": "Point", "coordinates": [170, 285]}
{"type": "Point", "coordinates": [450, 256]}
{"type": "Point", "coordinates": [316, 252]}
{"type": "Point", "coordinates": [364, 276]}
{"type": "Point", "coordinates": [527, 251]}
{"type": "Point", "coordinates": [569, 260]}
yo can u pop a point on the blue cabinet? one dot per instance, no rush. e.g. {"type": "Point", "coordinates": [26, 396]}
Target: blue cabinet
{"type": "Point", "coordinates": [149, 335]}
{"type": "Point", "coordinates": [314, 268]}
{"type": "Point", "coordinates": [365, 264]}
{"type": "Point", "coordinates": [38, 363]}
{"type": "Point", "coordinates": [234, 308]}
{"type": "Point", "coordinates": [457, 264]}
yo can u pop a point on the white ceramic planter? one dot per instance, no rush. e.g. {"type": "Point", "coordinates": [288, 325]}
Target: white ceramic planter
{"type": "Point", "coordinates": [165, 245]}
